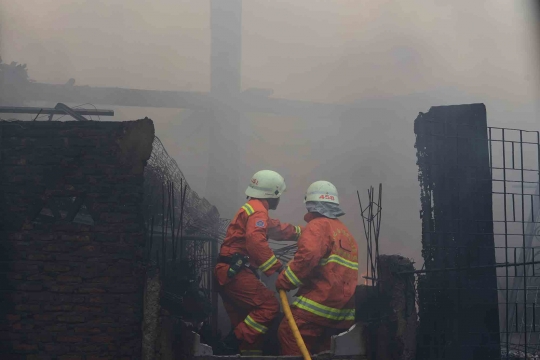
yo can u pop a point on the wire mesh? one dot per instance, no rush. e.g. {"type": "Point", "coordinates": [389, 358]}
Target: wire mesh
{"type": "Point", "coordinates": [183, 230]}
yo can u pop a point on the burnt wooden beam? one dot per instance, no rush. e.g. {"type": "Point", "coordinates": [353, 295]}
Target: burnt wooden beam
{"type": "Point", "coordinates": [52, 111]}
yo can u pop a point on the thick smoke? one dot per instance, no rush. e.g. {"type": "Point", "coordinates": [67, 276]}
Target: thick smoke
{"type": "Point", "coordinates": [391, 59]}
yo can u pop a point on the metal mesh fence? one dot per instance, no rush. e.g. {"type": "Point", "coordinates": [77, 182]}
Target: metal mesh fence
{"type": "Point", "coordinates": [198, 214]}
{"type": "Point", "coordinates": [183, 231]}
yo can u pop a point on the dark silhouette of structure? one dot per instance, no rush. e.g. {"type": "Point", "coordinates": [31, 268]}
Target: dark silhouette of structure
{"type": "Point", "coordinates": [459, 315]}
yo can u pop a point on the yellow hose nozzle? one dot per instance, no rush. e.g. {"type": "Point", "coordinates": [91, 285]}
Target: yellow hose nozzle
{"type": "Point", "coordinates": [292, 324]}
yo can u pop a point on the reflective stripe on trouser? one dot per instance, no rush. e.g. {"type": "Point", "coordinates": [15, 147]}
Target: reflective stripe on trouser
{"type": "Point", "coordinates": [254, 349]}
{"type": "Point", "coordinates": [324, 311]}
{"type": "Point", "coordinates": [255, 325]}
{"type": "Point", "coordinates": [251, 306]}
{"type": "Point", "coordinates": [312, 334]}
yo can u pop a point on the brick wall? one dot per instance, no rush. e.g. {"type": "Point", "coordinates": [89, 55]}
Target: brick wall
{"type": "Point", "coordinates": [71, 239]}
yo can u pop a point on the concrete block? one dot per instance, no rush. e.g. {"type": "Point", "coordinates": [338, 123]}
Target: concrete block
{"type": "Point", "coordinates": [351, 342]}
{"type": "Point", "coordinates": [200, 349]}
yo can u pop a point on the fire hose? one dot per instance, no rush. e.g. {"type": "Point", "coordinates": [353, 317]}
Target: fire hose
{"type": "Point", "coordinates": [292, 324]}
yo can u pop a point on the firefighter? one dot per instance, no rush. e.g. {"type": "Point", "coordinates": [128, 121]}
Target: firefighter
{"type": "Point", "coordinates": [325, 271]}
{"type": "Point", "coordinates": [250, 305]}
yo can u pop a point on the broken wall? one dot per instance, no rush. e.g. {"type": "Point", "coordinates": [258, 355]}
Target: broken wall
{"type": "Point", "coordinates": [71, 238]}
{"type": "Point", "coordinates": [388, 312]}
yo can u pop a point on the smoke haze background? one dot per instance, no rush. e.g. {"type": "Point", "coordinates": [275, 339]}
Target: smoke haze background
{"type": "Point", "coordinates": [393, 59]}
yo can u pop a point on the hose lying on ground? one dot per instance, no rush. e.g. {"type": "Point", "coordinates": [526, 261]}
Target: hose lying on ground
{"type": "Point", "coordinates": [292, 324]}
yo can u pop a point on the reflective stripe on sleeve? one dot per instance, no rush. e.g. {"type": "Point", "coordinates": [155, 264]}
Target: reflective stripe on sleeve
{"type": "Point", "coordinates": [248, 209]}
{"type": "Point", "coordinates": [292, 277]}
{"type": "Point", "coordinates": [298, 231]}
{"type": "Point", "coordinates": [339, 260]}
{"type": "Point", "coordinates": [268, 263]}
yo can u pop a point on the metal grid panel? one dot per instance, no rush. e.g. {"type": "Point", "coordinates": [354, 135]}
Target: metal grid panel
{"type": "Point", "coordinates": [515, 167]}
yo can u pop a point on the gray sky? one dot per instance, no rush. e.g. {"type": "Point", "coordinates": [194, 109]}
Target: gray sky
{"type": "Point", "coordinates": [395, 58]}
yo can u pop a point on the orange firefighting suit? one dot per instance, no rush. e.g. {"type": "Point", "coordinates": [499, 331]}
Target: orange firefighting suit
{"type": "Point", "coordinates": [325, 269]}
{"type": "Point", "coordinates": [250, 305]}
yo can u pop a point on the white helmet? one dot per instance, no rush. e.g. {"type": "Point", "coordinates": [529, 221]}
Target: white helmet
{"type": "Point", "coordinates": [266, 184]}
{"type": "Point", "coordinates": [322, 191]}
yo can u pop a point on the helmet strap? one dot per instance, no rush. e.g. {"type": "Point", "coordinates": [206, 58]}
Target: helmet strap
{"type": "Point", "coordinates": [273, 203]}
